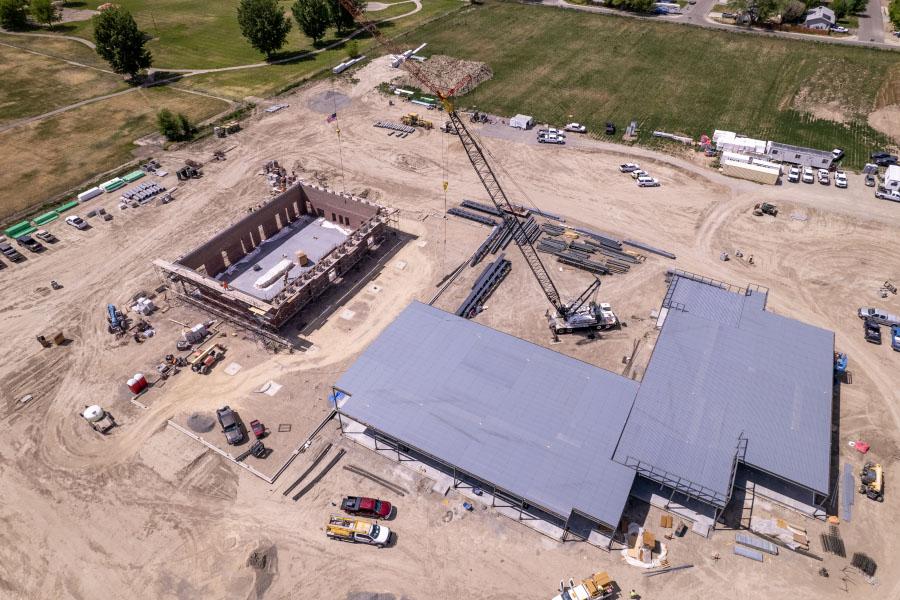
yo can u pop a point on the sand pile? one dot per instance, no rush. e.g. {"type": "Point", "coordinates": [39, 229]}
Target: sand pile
{"type": "Point", "coordinates": [447, 72]}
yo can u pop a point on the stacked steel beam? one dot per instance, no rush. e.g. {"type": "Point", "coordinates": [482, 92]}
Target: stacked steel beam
{"type": "Point", "coordinates": [484, 286]}
{"type": "Point", "coordinates": [485, 246]}
{"type": "Point", "coordinates": [459, 212]}
{"type": "Point", "coordinates": [643, 246]}
{"type": "Point", "coordinates": [485, 208]}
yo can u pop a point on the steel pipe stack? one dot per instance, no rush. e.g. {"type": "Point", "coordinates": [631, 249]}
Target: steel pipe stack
{"type": "Point", "coordinates": [485, 208]}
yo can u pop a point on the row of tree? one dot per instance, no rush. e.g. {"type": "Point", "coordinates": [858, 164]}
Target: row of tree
{"type": "Point", "coordinates": [266, 27]}
{"type": "Point", "coordinates": [14, 13]}
{"type": "Point", "coordinates": [636, 5]}
{"type": "Point", "coordinates": [792, 11]}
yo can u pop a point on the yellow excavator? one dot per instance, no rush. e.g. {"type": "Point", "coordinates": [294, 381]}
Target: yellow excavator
{"type": "Point", "coordinates": [871, 481]}
{"type": "Point", "coordinates": [414, 120]}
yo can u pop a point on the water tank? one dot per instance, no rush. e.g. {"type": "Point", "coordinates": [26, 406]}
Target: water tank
{"type": "Point", "coordinates": [93, 413]}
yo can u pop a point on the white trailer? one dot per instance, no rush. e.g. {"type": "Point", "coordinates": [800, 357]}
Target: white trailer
{"type": "Point", "coordinates": [522, 122]}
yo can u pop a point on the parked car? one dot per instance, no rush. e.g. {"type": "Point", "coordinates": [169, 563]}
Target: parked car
{"type": "Point", "coordinates": [839, 29]}
{"type": "Point", "coordinates": [576, 128]}
{"type": "Point", "coordinates": [824, 177]}
{"type": "Point", "coordinates": [231, 427]}
{"type": "Point", "coordinates": [872, 331]}
{"type": "Point", "coordinates": [366, 507]}
{"type": "Point", "coordinates": [895, 337]}
{"type": "Point", "coordinates": [647, 182]}
{"type": "Point", "coordinates": [46, 236]}
{"type": "Point", "coordinates": [26, 241]}
{"type": "Point", "coordinates": [610, 128]}
{"type": "Point", "coordinates": [629, 167]}
{"type": "Point", "coordinates": [11, 253]}
{"type": "Point", "coordinates": [840, 179]}
{"type": "Point", "coordinates": [794, 175]}
{"type": "Point", "coordinates": [550, 131]}
{"type": "Point", "coordinates": [639, 173]}
{"type": "Point", "coordinates": [258, 429]}
{"type": "Point", "coordinates": [551, 139]}
{"type": "Point", "coordinates": [870, 180]}
{"type": "Point", "coordinates": [886, 194]}
{"type": "Point", "coordinates": [837, 154]}
{"type": "Point", "coordinates": [808, 176]}
{"type": "Point", "coordinates": [884, 159]}
{"type": "Point", "coordinates": [76, 222]}
{"type": "Point", "coordinates": [878, 316]}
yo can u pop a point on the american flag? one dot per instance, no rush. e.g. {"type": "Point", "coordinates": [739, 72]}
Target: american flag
{"type": "Point", "coordinates": [331, 118]}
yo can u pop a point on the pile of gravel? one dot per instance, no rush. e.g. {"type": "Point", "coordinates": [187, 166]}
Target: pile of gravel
{"type": "Point", "coordinates": [201, 423]}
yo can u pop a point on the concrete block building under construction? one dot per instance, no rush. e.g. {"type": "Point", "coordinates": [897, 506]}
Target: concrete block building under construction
{"type": "Point", "coordinates": [263, 269]}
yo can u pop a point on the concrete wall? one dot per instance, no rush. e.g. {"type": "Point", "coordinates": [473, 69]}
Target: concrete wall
{"type": "Point", "coordinates": [235, 242]}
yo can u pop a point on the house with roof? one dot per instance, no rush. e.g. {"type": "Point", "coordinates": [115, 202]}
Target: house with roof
{"type": "Point", "coordinates": [821, 17]}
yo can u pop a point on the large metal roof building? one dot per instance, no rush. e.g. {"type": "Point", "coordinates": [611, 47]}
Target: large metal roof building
{"type": "Point", "coordinates": [729, 387]}
{"type": "Point", "coordinates": [512, 415]}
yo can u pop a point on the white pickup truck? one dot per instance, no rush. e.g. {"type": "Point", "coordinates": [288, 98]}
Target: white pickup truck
{"type": "Point", "coordinates": [879, 316]}
{"type": "Point", "coordinates": [359, 531]}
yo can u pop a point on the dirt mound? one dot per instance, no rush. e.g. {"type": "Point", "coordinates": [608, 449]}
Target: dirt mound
{"type": "Point", "coordinates": [447, 72]}
{"type": "Point", "coordinates": [887, 121]}
{"type": "Point", "coordinates": [200, 422]}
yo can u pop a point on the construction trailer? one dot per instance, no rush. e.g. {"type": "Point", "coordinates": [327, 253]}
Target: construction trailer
{"type": "Point", "coordinates": [798, 155]}
{"type": "Point", "coordinates": [758, 171]}
{"type": "Point", "coordinates": [265, 268]}
{"type": "Point", "coordinates": [733, 397]}
{"type": "Point", "coordinates": [891, 179]}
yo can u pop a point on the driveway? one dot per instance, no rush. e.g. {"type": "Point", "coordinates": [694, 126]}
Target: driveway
{"type": "Point", "coordinates": [871, 23]}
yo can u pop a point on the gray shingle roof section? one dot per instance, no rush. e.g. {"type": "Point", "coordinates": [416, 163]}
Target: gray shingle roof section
{"type": "Point", "coordinates": [722, 366]}
{"type": "Point", "coordinates": [539, 424]}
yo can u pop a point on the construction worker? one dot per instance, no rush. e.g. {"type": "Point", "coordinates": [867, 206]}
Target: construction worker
{"type": "Point", "coordinates": [751, 259]}
{"type": "Point", "coordinates": [633, 595]}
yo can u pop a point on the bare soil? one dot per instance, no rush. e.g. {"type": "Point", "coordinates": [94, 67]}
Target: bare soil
{"type": "Point", "coordinates": [148, 512]}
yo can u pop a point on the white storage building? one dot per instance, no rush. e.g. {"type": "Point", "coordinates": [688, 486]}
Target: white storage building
{"type": "Point", "coordinates": [521, 122]}
{"type": "Point", "coordinates": [760, 172]}
{"type": "Point", "coordinates": [732, 142]}
{"type": "Point", "coordinates": [892, 178]}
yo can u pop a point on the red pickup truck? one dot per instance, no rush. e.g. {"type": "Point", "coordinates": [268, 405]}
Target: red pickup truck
{"type": "Point", "coordinates": [369, 507]}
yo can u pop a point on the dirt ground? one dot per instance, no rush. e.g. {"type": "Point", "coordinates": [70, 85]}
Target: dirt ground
{"type": "Point", "coordinates": [147, 512]}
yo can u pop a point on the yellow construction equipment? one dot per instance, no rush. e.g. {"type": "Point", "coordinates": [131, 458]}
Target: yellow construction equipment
{"type": "Point", "coordinates": [597, 587]}
{"type": "Point", "coordinates": [871, 481]}
{"type": "Point", "coordinates": [414, 120]}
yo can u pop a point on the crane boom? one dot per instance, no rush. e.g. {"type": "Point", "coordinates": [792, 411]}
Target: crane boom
{"type": "Point", "coordinates": [479, 162]}
{"type": "Point", "coordinates": [498, 197]}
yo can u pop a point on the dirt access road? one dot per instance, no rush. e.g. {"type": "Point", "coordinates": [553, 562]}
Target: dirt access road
{"type": "Point", "coordinates": [148, 513]}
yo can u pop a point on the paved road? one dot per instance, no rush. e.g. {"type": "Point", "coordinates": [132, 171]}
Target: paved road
{"type": "Point", "coordinates": [871, 23]}
{"type": "Point", "coordinates": [696, 16]}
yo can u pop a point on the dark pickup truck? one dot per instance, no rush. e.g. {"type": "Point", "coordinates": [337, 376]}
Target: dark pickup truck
{"type": "Point", "coordinates": [11, 253]}
{"type": "Point", "coordinates": [872, 331]}
{"type": "Point", "coordinates": [367, 507]}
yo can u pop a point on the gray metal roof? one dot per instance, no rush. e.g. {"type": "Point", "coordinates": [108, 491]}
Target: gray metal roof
{"type": "Point", "coordinates": [539, 424]}
{"type": "Point", "coordinates": [723, 366]}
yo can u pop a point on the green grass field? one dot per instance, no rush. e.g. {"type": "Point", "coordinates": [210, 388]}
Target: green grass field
{"type": "Point", "coordinates": [562, 65]}
{"type": "Point", "coordinates": [35, 84]}
{"type": "Point", "coordinates": [203, 35]}
{"type": "Point", "coordinates": [46, 158]}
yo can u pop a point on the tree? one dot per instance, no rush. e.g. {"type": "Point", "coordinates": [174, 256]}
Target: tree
{"type": "Point", "coordinates": [175, 127]}
{"type": "Point", "coordinates": [13, 14]}
{"type": "Point", "coordinates": [120, 42]}
{"type": "Point", "coordinates": [44, 11]}
{"type": "Point", "coordinates": [352, 48]}
{"type": "Point", "coordinates": [341, 17]}
{"type": "Point", "coordinates": [313, 17]}
{"type": "Point", "coordinates": [841, 8]}
{"type": "Point", "coordinates": [263, 24]}
{"type": "Point", "coordinates": [793, 11]}
{"type": "Point", "coordinates": [894, 13]}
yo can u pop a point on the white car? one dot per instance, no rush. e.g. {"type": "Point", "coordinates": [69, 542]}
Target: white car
{"type": "Point", "coordinates": [794, 175]}
{"type": "Point", "coordinates": [647, 182]}
{"type": "Point", "coordinates": [824, 177]}
{"type": "Point", "coordinates": [840, 180]}
{"type": "Point", "coordinates": [839, 29]}
{"type": "Point", "coordinates": [551, 131]}
{"type": "Point", "coordinates": [629, 167]}
{"type": "Point", "coordinates": [76, 222]}
{"type": "Point", "coordinates": [551, 139]}
{"type": "Point", "coordinates": [639, 173]}
{"type": "Point", "coordinates": [576, 128]}
{"type": "Point", "coordinates": [808, 175]}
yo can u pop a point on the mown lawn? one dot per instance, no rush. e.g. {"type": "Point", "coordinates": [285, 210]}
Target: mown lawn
{"type": "Point", "coordinates": [191, 34]}
{"type": "Point", "coordinates": [552, 63]}
{"type": "Point", "coordinates": [34, 84]}
{"type": "Point", "coordinates": [46, 158]}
